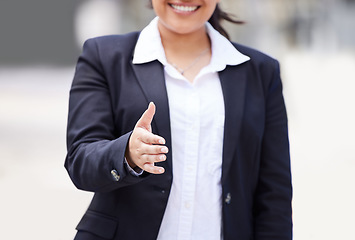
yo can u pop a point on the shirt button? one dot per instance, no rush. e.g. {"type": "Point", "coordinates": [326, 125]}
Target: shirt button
{"type": "Point", "coordinates": [115, 175]}
{"type": "Point", "coordinates": [228, 198]}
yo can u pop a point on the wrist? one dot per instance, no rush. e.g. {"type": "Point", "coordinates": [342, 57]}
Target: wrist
{"type": "Point", "coordinates": [129, 159]}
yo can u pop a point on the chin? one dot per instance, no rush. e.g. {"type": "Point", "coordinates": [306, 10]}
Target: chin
{"type": "Point", "coordinates": [182, 29]}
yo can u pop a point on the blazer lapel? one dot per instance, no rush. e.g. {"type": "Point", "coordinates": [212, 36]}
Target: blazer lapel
{"type": "Point", "coordinates": [151, 79]}
{"type": "Point", "coordinates": [233, 82]}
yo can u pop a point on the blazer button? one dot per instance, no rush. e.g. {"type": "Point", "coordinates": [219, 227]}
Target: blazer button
{"type": "Point", "coordinates": [115, 175]}
{"type": "Point", "coordinates": [228, 198]}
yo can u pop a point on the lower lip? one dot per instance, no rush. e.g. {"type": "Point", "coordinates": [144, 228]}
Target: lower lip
{"type": "Point", "coordinates": [183, 12]}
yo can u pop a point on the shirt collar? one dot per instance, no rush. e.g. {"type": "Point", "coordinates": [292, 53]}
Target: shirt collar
{"type": "Point", "coordinates": [150, 48]}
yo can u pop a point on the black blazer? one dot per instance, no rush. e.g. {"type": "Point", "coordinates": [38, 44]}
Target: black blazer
{"type": "Point", "coordinates": [108, 96]}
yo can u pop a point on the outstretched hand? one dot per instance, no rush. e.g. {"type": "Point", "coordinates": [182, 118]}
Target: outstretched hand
{"type": "Point", "coordinates": [145, 148]}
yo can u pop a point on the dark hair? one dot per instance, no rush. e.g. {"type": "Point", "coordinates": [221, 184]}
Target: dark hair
{"type": "Point", "coordinates": [215, 20]}
{"type": "Point", "coordinates": [217, 17]}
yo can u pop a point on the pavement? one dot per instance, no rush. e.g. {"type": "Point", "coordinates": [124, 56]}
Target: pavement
{"type": "Point", "coordinates": [38, 200]}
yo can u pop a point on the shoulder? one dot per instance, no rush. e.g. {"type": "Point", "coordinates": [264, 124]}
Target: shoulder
{"type": "Point", "coordinates": [107, 53]}
{"type": "Point", "coordinates": [261, 67]}
{"type": "Point", "coordinates": [257, 58]}
{"type": "Point", "coordinates": [254, 54]}
{"type": "Point", "coordinates": [112, 44]}
{"type": "Point", "coordinates": [259, 61]}
{"type": "Point", "coordinates": [123, 40]}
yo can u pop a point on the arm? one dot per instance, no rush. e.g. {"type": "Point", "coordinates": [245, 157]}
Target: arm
{"type": "Point", "coordinates": [96, 153]}
{"type": "Point", "coordinates": [273, 196]}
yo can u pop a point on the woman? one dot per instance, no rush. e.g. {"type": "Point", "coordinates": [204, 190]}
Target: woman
{"type": "Point", "coordinates": [208, 158]}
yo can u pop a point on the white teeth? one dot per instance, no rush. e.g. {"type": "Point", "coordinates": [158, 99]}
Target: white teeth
{"type": "Point", "coordinates": [184, 8]}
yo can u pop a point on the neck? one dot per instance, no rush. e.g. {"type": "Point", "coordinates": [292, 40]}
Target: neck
{"type": "Point", "coordinates": [186, 45]}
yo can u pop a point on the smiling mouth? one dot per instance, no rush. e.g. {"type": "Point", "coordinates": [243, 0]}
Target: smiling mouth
{"type": "Point", "coordinates": [182, 8]}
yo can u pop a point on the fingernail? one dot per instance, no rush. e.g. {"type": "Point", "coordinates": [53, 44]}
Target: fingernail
{"type": "Point", "coordinates": [161, 170]}
{"type": "Point", "coordinates": [164, 149]}
{"type": "Point", "coordinates": [162, 157]}
{"type": "Point", "coordinates": [161, 141]}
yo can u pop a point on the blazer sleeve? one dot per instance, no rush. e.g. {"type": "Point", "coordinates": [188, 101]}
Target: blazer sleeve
{"type": "Point", "coordinates": [95, 154]}
{"type": "Point", "coordinates": [273, 196]}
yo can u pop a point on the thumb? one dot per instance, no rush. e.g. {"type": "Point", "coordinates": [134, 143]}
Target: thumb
{"type": "Point", "coordinates": [147, 117]}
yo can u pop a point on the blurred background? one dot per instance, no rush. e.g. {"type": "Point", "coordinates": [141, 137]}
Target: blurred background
{"type": "Point", "coordinates": [40, 40]}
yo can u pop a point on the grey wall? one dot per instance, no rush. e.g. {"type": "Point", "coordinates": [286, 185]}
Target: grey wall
{"type": "Point", "coordinates": [37, 31]}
